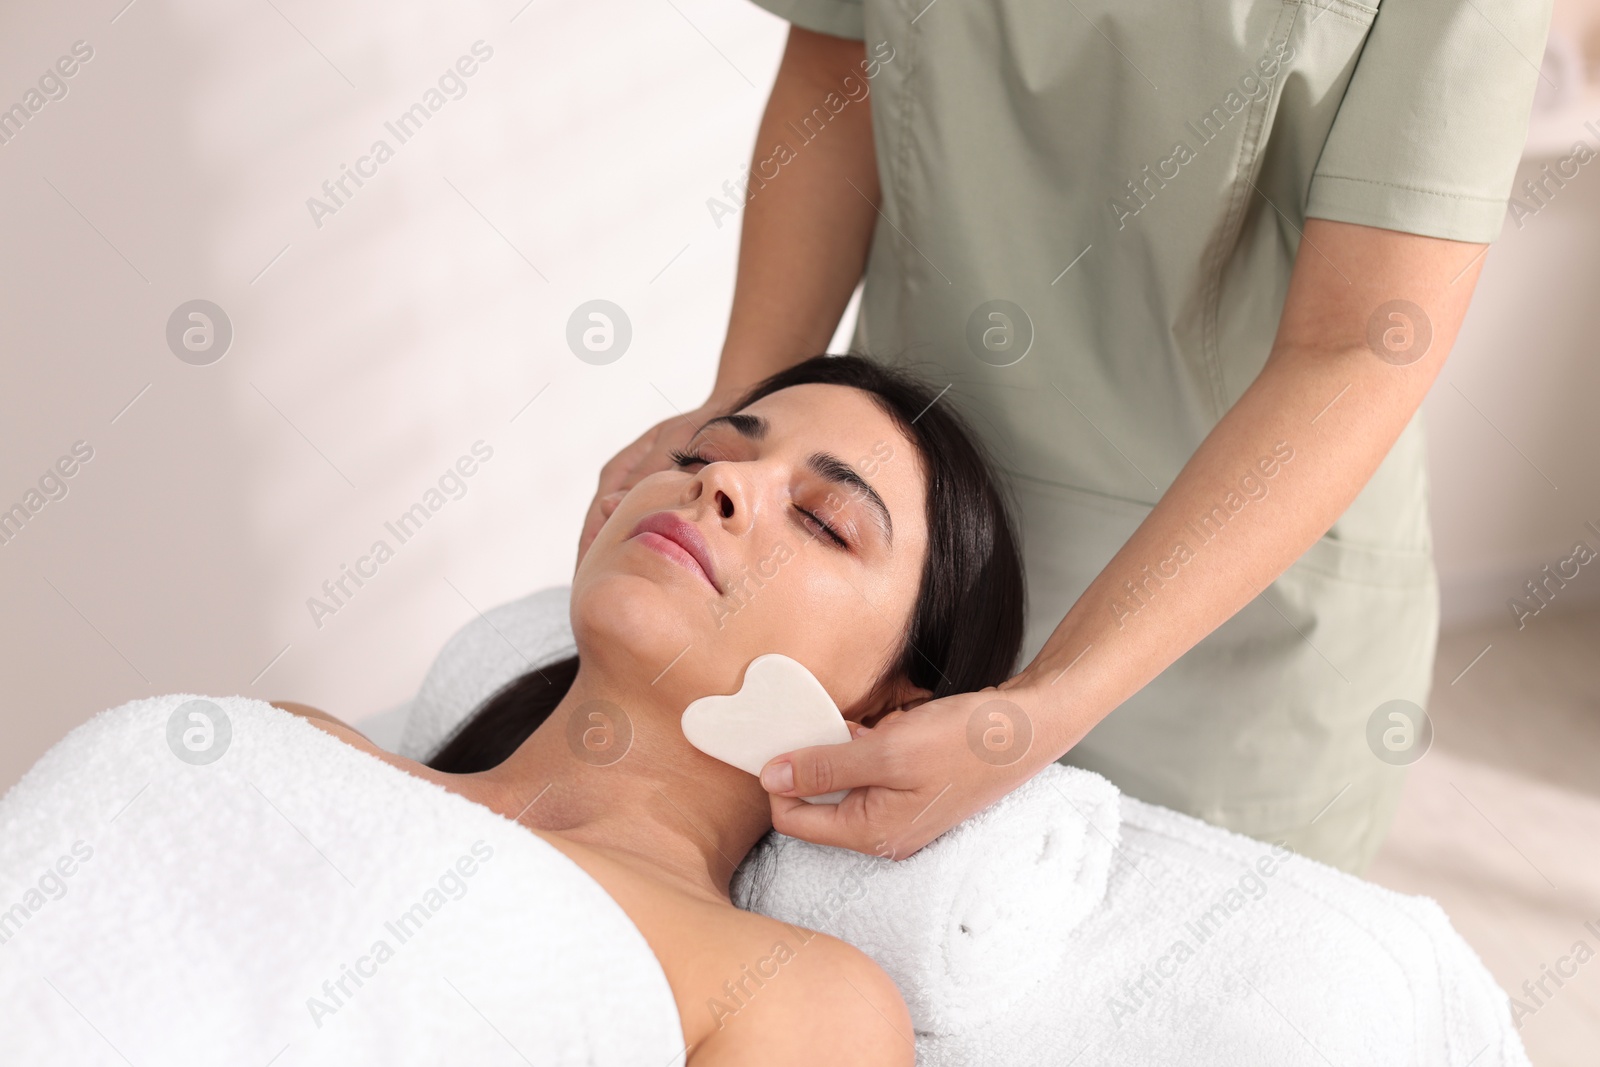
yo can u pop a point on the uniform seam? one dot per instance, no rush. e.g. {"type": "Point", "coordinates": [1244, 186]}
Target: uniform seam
{"type": "Point", "coordinates": [1363, 15]}
{"type": "Point", "coordinates": [1409, 188]}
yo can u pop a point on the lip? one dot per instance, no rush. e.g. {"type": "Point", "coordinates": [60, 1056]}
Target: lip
{"type": "Point", "coordinates": [683, 543]}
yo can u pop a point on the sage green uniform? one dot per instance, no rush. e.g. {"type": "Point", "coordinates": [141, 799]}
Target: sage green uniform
{"type": "Point", "coordinates": [1130, 179]}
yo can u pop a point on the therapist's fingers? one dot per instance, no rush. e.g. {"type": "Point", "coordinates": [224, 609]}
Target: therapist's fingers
{"type": "Point", "coordinates": [913, 775]}
{"type": "Point", "coordinates": [622, 470]}
{"type": "Point", "coordinates": [808, 772]}
{"type": "Point", "coordinates": [861, 821]}
{"type": "Point", "coordinates": [866, 821]}
{"type": "Point", "coordinates": [643, 457]}
{"type": "Point", "coordinates": [616, 478]}
{"type": "Point", "coordinates": [649, 453]}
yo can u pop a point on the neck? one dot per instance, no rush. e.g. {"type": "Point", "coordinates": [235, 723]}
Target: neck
{"type": "Point", "coordinates": [611, 769]}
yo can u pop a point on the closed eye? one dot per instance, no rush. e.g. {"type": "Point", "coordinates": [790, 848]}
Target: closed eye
{"type": "Point", "coordinates": [829, 531]}
{"type": "Point", "coordinates": [683, 458]}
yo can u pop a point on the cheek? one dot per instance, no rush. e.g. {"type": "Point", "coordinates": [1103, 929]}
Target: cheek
{"type": "Point", "coordinates": [842, 628]}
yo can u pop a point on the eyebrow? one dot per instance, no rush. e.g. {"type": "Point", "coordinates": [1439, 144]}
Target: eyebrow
{"type": "Point", "coordinates": [753, 427]}
{"type": "Point", "coordinates": [825, 465]}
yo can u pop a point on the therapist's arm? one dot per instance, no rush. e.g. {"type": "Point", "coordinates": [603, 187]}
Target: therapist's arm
{"type": "Point", "coordinates": [1324, 393]}
{"type": "Point", "coordinates": [1327, 395]}
{"type": "Point", "coordinates": [802, 247]}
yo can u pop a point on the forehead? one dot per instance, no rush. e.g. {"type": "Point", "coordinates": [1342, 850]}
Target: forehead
{"type": "Point", "coordinates": [839, 405]}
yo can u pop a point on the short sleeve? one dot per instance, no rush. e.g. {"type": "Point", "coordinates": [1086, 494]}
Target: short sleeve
{"type": "Point", "coordinates": [837, 18]}
{"type": "Point", "coordinates": [1434, 119]}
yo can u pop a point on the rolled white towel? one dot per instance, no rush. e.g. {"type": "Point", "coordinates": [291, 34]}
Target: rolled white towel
{"type": "Point", "coordinates": [1213, 950]}
{"type": "Point", "coordinates": [969, 924]}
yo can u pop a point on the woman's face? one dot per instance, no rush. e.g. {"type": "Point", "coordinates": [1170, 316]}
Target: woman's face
{"type": "Point", "coordinates": [797, 525]}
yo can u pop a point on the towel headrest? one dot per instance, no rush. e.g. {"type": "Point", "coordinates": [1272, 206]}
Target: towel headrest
{"type": "Point", "coordinates": [972, 922]}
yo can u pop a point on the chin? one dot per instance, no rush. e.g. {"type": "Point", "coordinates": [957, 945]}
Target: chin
{"type": "Point", "coordinates": [636, 622]}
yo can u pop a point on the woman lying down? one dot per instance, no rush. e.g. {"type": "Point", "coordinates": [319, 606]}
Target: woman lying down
{"type": "Point", "coordinates": [897, 577]}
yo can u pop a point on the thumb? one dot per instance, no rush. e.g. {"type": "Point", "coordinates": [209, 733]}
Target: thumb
{"type": "Point", "coordinates": [808, 772]}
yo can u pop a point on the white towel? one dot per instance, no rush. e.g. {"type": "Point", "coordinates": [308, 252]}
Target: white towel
{"type": "Point", "coordinates": [1187, 952]}
{"type": "Point", "coordinates": [1196, 956]}
{"type": "Point", "coordinates": [968, 925]}
{"type": "Point", "coordinates": [298, 902]}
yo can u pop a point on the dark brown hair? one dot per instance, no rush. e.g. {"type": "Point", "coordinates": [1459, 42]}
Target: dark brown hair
{"type": "Point", "coordinates": [966, 628]}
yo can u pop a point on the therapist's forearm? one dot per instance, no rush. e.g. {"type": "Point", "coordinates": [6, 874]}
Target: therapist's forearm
{"type": "Point", "coordinates": [1129, 641]}
{"type": "Point", "coordinates": [806, 230]}
{"type": "Point", "coordinates": [1324, 395]}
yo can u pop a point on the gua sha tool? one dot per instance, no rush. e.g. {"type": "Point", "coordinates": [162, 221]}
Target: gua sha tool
{"type": "Point", "coordinates": [779, 707]}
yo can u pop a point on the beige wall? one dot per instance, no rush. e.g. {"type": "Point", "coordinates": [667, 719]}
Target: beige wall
{"type": "Point", "coordinates": [372, 352]}
{"type": "Point", "coordinates": [368, 357]}
{"type": "Point", "coordinates": [1513, 433]}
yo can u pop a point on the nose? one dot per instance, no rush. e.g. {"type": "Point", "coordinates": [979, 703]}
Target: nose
{"type": "Point", "coordinates": [723, 490]}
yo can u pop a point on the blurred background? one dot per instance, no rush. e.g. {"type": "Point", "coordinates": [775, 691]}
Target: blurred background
{"type": "Point", "coordinates": [348, 354]}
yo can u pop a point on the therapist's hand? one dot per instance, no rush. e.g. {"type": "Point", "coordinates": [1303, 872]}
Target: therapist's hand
{"type": "Point", "coordinates": [913, 775]}
{"type": "Point", "coordinates": [644, 457]}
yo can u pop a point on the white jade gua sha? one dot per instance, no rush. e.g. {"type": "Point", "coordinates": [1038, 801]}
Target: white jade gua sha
{"type": "Point", "coordinates": [780, 707]}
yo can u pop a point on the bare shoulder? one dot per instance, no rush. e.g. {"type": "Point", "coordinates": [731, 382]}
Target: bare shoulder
{"type": "Point", "coordinates": [356, 739]}
{"type": "Point", "coordinates": [317, 717]}
{"type": "Point", "coordinates": [822, 1000]}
